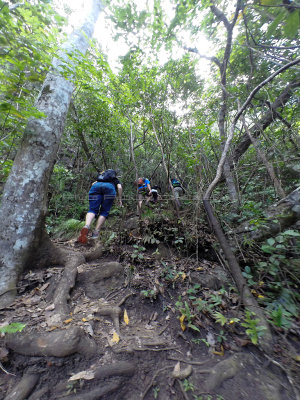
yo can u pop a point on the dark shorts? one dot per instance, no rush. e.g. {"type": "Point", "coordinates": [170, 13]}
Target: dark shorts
{"type": "Point", "coordinates": [101, 194]}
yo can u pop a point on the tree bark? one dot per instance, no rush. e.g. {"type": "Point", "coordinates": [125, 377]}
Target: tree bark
{"type": "Point", "coordinates": [24, 201]}
{"type": "Point", "coordinates": [166, 169]}
{"type": "Point", "coordinates": [232, 189]}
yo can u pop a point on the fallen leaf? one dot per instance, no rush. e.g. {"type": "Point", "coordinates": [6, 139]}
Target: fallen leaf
{"type": "Point", "coordinates": [126, 319]}
{"type": "Point", "coordinates": [219, 353]}
{"type": "Point", "coordinates": [181, 319]}
{"type": "Point", "coordinates": [84, 320]}
{"type": "Point", "coordinates": [52, 328]}
{"type": "Point", "coordinates": [183, 276]}
{"type": "Point", "coordinates": [67, 321]}
{"type": "Point", "coordinates": [116, 338]}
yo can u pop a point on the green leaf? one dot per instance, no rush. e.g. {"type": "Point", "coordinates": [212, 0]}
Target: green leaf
{"type": "Point", "coordinates": [274, 25]}
{"type": "Point", "coordinates": [12, 328]}
{"type": "Point", "coordinates": [271, 241]}
{"type": "Point", "coordinates": [192, 326]}
{"type": "Point", "coordinates": [292, 24]}
{"type": "Point", "coordinates": [290, 232]}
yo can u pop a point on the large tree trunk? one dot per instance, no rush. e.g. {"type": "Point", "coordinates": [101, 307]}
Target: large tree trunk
{"type": "Point", "coordinates": [24, 201]}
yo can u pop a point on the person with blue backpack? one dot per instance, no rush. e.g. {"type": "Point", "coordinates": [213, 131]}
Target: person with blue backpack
{"type": "Point", "coordinates": [144, 192]}
{"type": "Point", "coordinates": [101, 198]}
{"type": "Point", "coordinates": [178, 190]}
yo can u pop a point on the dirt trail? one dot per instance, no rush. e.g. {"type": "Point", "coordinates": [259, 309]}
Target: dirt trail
{"type": "Point", "coordinates": [124, 338]}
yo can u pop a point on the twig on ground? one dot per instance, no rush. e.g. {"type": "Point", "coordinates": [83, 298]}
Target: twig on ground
{"type": "Point", "coordinates": [4, 370]}
{"type": "Point", "coordinates": [113, 294]}
{"type": "Point", "coordinates": [146, 349]}
{"type": "Point", "coordinates": [162, 330]}
{"type": "Point", "coordinates": [125, 298]}
{"type": "Point", "coordinates": [291, 382]}
{"type": "Point", "coordinates": [185, 395]}
{"type": "Point", "coordinates": [153, 380]}
{"type": "Point", "coordinates": [187, 361]}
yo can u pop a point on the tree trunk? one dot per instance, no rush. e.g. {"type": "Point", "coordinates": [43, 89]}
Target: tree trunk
{"type": "Point", "coordinates": [166, 169]}
{"type": "Point", "coordinates": [24, 201]}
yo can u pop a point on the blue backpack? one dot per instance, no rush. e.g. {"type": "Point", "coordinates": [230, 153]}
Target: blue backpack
{"type": "Point", "coordinates": [175, 183]}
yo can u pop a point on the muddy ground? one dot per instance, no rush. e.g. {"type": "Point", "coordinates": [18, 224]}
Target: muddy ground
{"type": "Point", "coordinates": [140, 327]}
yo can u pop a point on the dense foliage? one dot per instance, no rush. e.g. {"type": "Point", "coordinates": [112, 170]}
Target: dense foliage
{"type": "Point", "coordinates": [115, 116]}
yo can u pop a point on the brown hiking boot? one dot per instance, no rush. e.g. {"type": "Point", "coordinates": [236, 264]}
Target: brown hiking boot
{"type": "Point", "coordinates": [83, 235]}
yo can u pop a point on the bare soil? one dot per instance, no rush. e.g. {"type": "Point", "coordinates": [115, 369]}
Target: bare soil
{"type": "Point", "coordinates": [124, 339]}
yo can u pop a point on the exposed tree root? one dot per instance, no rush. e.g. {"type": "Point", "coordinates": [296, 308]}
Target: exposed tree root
{"type": "Point", "coordinates": [56, 343]}
{"type": "Point", "coordinates": [94, 254]}
{"type": "Point", "coordinates": [284, 369]}
{"type": "Point", "coordinates": [95, 281]}
{"type": "Point", "coordinates": [97, 393]}
{"type": "Point", "coordinates": [224, 370]}
{"type": "Point", "coordinates": [37, 395]}
{"type": "Point", "coordinates": [122, 368]}
{"type": "Point", "coordinates": [23, 388]}
{"type": "Point", "coordinates": [113, 312]}
{"type": "Point", "coordinates": [66, 283]}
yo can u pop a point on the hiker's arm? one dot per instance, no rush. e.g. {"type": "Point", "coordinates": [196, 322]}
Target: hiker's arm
{"type": "Point", "coordinates": [120, 191]}
{"type": "Point", "coordinates": [149, 187]}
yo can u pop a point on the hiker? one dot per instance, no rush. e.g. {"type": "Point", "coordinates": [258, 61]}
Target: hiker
{"type": "Point", "coordinates": [144, 191]}
{"type": "Point", "coordinates": [155, 196]}
{"type": "Point", "coordinates": [178, 190]}
{"type": "Point", "coordinates": [101, 197]}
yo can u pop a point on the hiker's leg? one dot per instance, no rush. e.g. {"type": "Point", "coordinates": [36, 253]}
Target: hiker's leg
{"type": "Point", "coordinates": [107, 201]}
{"type": "Point", "coordinates": [95, 201]}
{"type": "Point", "coordinates": [140, 202]}
{"type": "Point", "coordinates": [176, 195]}
{"type": "Point", "coordinates": [100, 222]}
{"type": "Point", "coordinates": [94, 205]}
{"type": "Point", "coordinates": [89, 219]}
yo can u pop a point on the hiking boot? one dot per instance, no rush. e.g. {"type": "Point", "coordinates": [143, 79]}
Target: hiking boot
{"type": "Point", "coordinates": [83, 235]}
{"type": "Point", "coordinates": [95, 235]}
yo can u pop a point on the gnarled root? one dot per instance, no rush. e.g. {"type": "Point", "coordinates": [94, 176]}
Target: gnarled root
{"type": "Point", "coordinates": [23, 388]}
{"type": "Point", "coordinates": [224, 370]}
{"type": "Point", "coordinates": [60, 343]}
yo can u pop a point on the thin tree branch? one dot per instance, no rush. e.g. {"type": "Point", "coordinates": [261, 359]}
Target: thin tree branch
{"type": "Point", "coordinates": [236, 118]}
